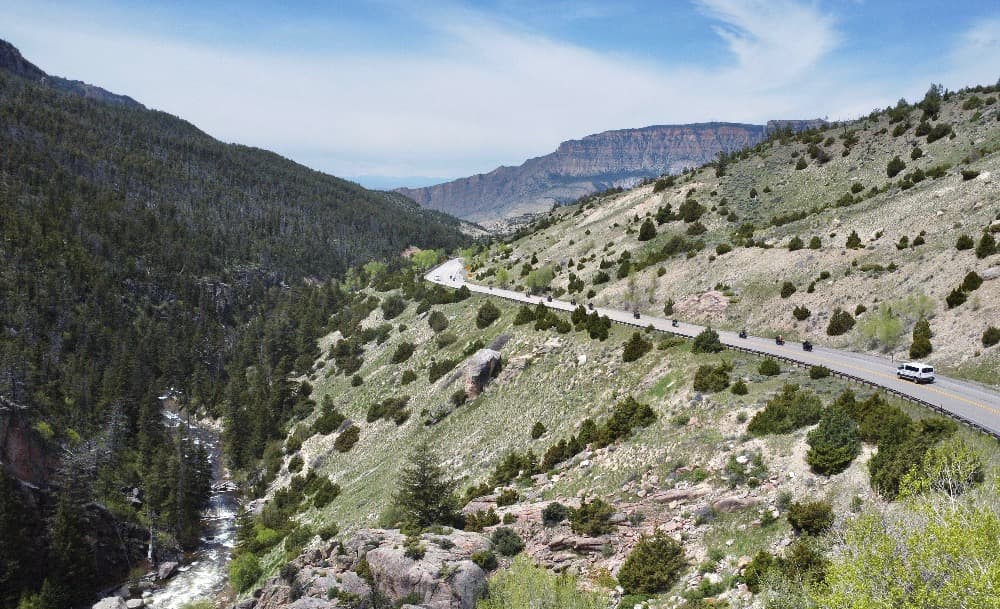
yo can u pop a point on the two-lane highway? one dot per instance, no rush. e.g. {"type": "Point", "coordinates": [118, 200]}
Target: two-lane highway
{"type": "Point", "coordinates": [968, 402]}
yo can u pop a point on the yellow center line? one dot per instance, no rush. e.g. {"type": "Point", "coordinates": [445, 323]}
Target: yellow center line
{"type": "Point", "coordinates": [942, 392]}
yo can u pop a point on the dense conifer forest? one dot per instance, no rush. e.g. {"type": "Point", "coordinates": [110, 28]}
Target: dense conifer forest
{"type": "Point", "coordinates": [140, 258]}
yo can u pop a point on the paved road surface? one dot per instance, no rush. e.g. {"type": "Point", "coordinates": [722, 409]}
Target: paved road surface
{"type": "Point", "coordinates": [975, 405]}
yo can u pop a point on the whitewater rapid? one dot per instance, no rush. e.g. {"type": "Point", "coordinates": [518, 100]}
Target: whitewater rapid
{"type": "Point", "coordinates": [205, 576]}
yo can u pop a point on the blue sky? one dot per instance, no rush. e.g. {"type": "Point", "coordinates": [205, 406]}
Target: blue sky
{"type": "Point", "coordinates": [402, 91]}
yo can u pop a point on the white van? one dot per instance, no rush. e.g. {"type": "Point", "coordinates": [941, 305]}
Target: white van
{"type": "Point", "coordinates": [916, 372]}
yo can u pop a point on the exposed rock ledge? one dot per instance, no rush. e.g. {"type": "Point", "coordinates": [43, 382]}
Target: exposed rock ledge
{"type": "Point", "coordinates": [327, 578]}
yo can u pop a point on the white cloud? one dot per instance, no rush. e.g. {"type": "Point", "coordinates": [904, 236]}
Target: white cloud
{"type": "Point", "coordinates": [976, 55]}
{"type": "Point", "coordinates": [775, 40]}
{"type": "Point", "coordinates": [489, 92]}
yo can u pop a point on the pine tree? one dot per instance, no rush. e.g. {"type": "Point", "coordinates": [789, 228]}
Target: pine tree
{"type": "Point", "coordinates": [894, 167]}
{"type": "Point", "coordinates": [921, 346]}
{"type": "Point", "coordinates": [425, 494]}
{"type": "Point", "coordinates": [245, 534]}
{"type": "Point", "coordinates": [654, 565]}
{"type": "Point", "coordinates": [987, 246]}
{"type": "Point", "coordinates": [71, 560]}
{"type": "Point", "coordinates": [931, 104]}
{"type": "Point", "coordinates": [841, 322]}
{"type": "Point", "coordinates": [635, 348]}
{"type": "Point", "coordinates": [488, 313]}
{"type": "Point", "coordinates": [834, 443]}
{"type": "Point", "coordinates": [707, 341]}
{"type": "Point", "coordinates": [13, 571]}
{"type": "Point", "coordinates": [598, 326]}
{"type": "Point", "coordinates": [647, 231]}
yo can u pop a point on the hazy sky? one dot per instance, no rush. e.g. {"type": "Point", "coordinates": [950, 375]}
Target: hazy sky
{"type": "Point", "coordinates": [447, 89]}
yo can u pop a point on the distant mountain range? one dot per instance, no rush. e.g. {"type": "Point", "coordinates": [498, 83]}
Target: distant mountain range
{"type": "Point", "coordinates": [597, 162]}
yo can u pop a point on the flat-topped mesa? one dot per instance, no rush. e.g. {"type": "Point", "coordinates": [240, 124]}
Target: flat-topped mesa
{"type": "Point", "coordinates": [618, 158]}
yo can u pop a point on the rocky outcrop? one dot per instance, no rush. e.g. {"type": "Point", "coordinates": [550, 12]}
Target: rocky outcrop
{"type": "Point", "coordinates": [474, 374]}
{"type": "Point", "coordinates": [479, 369]}
{"type": "Point", "coordinates": [733, 504]}
{"type": "Point", "coordinates": [31, 463]}
{"type": "Point", "coordinates": [111, 602]}
{"type": "Point", "coordinates": [795, 125]}
{"type": "Point", "coordinates": [23, 453]}
{"type": "Point", "coordinates": [374, 564]}
{"type": "Point", "coordinates": [166, 570]}
{"type": "Point", "coordinates": [12, 61]}
{"type": "Point", "coordinates": [581, 167]}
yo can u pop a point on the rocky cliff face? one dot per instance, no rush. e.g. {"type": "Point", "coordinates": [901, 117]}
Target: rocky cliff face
{"type": "Point", "coordinates": [12, 61]}
{"type": "Point", "coordinates": [581, 167]}
{"type": "Point", "coordinates": [23, 453]}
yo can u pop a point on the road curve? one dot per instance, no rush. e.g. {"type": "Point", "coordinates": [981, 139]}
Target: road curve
{"type": "Point", "coordinates": [969, 403]}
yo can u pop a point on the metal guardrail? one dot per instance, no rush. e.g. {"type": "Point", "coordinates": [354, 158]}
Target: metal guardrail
{"type": "Point", "coordinates": [901, 394]}
{"type": "Point", "coordinates": [850, 377]}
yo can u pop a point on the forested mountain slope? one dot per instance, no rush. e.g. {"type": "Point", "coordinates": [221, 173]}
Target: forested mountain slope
{"type": "Point", "coordinates": [139, 258]}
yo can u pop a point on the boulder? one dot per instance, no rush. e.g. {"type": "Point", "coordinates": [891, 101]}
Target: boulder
{"type": "Point", "coordinates": [352, 583]}
{"type": "Point", "coordinates": [678, 494]}
{"type": "Point", "coordinates": [311, 602]}
{"type": "Point", "coordinates": [398, 576]}
{"type": "Point", "coordinates": [560, 542]}
{"type": "Point", "coordinates": [135, 603]}
{"type": "Point", "coordinates": [482, 366]}
{"type": "Point", "coordinates": [584, 545]}
{"type": "Point", "coordinates": [588, 545]}
{"type": "Point", "coordinates": [733, 504]}
{"type": "Point", "coordinates": [274, 594]}
{"type": "Point", "coordinates": [166, 570]}
{"type": "Point", "coordinates": [111, 602]}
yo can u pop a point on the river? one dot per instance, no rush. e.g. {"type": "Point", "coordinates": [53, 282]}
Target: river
{"type": "Point", "coordinates": [205, 576]}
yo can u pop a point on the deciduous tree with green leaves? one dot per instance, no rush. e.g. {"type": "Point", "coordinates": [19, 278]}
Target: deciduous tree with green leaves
{"type": "Point", "coordinates": [941, 554]}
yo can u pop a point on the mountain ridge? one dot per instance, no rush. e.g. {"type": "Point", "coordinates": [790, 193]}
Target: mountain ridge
{"type": "Point", "coordinates": [139, 258]}
{"type": "Point", "coordinates": [12, 61]}
{"type": "Point", "coordinates": [614, 158]}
